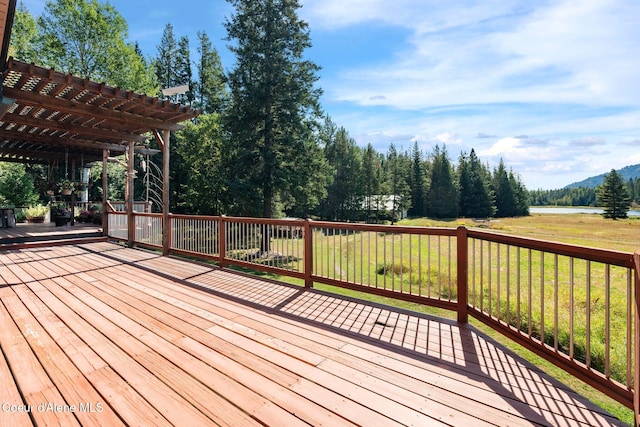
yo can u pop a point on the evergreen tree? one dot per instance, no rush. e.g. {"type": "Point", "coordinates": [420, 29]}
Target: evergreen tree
{"type": "Point", "coordinates": [476, 197]}
{"type": "Point", "coordinates": [397, 174]}
{"type": "Point", "coordinates": [613, 197]}
{"type": "Point", "coordinates": [274, 106]}
{"type": "Point", "coordinates": [211, 94]}
{"type": "Point", "coordinates": [417, 183]}
{"type": "Point", "coordinates": [520, 194]}
{"type": "Point", "coordinates": [633, 188]}
{"type": "Point", "coordinates": [184, 74]}
{"type": "Point", "coordinates": [173, 69]}
{"type": "Point", "coordinates": [344, 194]}
{"type": "Point", "coordinates": [166, 68]}
{"type": "Point", "coordinates": [372, 176]}
{"type": "Point", "coordinates": [505, 197]}
{"type": "Point", "coordinates": [442, 196]}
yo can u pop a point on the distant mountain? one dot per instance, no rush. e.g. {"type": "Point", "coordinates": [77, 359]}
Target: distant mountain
{"type": "Point", "coordinates": [628, 172]}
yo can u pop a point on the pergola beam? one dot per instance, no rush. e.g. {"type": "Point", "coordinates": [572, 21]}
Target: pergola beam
{"type": "Point", "coordinates": [35, 137]}
{"type": "Point", "coordinates": [40, 123]}
{"type": "Point", "coordinates": [79, 108]}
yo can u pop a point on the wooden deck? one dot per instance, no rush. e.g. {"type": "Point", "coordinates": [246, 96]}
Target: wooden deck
{"type": "Point", "coordinates": [33, 234]}
{"type": "Point", "coordinates": [97, 334]}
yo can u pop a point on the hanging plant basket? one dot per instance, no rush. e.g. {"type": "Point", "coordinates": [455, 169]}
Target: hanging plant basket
{"type": "Point", "coordinates": [66, 187]}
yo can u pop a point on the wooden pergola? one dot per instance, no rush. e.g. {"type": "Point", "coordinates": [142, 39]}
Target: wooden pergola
{"type": "Point", "coordinates": [47, 116]}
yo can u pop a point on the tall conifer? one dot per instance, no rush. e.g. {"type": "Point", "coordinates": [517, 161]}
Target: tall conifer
{"type": "Point", "coordinates": [274, 107]}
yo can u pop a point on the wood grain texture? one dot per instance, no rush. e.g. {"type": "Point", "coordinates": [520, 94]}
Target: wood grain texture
{"type": "Point", "coordinates": [163, 341]}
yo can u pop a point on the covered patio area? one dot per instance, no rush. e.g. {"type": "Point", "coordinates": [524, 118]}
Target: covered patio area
{"type": "Point", "coordinates": [100, 334]}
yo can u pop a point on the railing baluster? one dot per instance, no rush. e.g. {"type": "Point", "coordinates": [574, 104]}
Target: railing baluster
{"type": "Point", "coordinates": [530, 299]}
{"type": "Point", "coordinates": [498, 274]}
{"type": "Point", "coordinates": [518, 296]}
{"type": "Point", "coordinates": [489, 279]}
{"type": "Point", "coordinates": [481, 276]}
{"type": "Point", "coordinates": [588, 338]}
{"type": "Point", "coordinates": [607, 320]}
{"type": "Point", "coordinates": [542, 289]}
{"type": "Point", "coordinates": [555, 302]}
{"type": "Point", "coordinates": [571, 309]}
{"type": "Point", "coordinates": [630, 324]}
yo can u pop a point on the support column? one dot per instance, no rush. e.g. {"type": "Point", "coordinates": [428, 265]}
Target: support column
{"type": "Point", "coordinates": [105, 183]}
{"type": "Point", "coordinates": [72, 220]}
{"type": "Point", "coordinates": [131, 222]}
{"type": "Point", "coordinates": [166, 224]}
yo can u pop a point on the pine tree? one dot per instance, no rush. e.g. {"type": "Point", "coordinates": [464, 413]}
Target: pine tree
{"type": "Point", "coordinates": [442, 195]}
{"type": "Point", "coordinates": [505, 196]}
{"type": "Point", "coordinates": [372, 176]}
{"type": "Point", "coordinates": [417, 183]}
{"type": "Point", "coordinates": [476, 197]}
{"type": "Point", "coordinates": [211, 94]}
{"type": "Point", "coordinates": [397, 174]}
{"type": "Point", "coordinates": [520, 194]}
{"type": "Point", "coordinates": [184, 74]}
{"type": "Point", "coordinates": [166, 59]}
{"type": "Point", "coordinates": [274, 106]}
{"type": "Point", "coordinates": [613, 196]}
{"type": "Point", "coordinates": [344, 194]}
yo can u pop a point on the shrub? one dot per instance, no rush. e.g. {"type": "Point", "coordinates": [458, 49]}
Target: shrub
{"type": "Point", "coordinates": [36, 211]}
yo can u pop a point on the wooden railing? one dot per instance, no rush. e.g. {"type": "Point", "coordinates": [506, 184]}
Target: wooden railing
{"type": "Point", "coordinates": [572, 305]}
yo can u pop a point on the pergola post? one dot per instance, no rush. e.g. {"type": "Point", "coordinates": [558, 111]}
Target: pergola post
{"type": "Point", "coordinates": [164, 141]}
{"type": "Point", "coordinates": [105, 183]}
{"type": "Point", "coordinates": [131, 221]}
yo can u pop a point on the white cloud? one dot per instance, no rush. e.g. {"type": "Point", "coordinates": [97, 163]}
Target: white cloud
{"type": "Point", "coordinates": [494, 52]}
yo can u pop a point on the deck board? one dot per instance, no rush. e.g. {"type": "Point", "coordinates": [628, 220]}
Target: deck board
{"type": "Point", "coordinates": [162, 341]}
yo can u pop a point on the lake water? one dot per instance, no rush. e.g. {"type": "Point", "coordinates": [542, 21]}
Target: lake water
{"type": "Point", "coordinates": [572, 210]}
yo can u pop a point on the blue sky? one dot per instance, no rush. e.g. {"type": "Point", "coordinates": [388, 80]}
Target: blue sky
{"type": "Point", "coordinates": [552, 87]}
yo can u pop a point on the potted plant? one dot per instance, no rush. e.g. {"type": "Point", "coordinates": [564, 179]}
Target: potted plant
{"type": "Point", "coordinates": [66, 187]}
{"type": "Point", "coordinates": [84, 216]}
{"type": "Point", "coordinates": [95, 212]}
{"type": "Point", "coordinates": [60, 214]}
{"type": "Point", "coordinates": [35, 214]}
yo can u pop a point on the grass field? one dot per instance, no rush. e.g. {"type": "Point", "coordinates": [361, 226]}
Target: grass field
{"type": "Point", "coordinates": [578, 229]}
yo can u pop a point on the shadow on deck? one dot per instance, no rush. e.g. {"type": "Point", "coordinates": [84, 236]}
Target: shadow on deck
{"type": "Point", "coordinates": [159, 341]}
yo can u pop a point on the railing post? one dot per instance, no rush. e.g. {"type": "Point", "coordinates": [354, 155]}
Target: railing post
{"type": "Point", "coordinates": [222, 239]}
{"type": "Point", "coordinates": [166, 250]}
{"type": "Point", "coordinates": [636, 344]}
{"type": "Point", "coordinates": [462, 271]}
{"type": "Point", "coordinates": [308, 254]}
{"type": "Point", "coordinates": [105, 198]}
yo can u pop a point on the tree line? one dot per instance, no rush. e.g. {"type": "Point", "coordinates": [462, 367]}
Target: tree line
{"type": "Point", "coordinates": [580, 196]}
{"type": "Point", "coordinates": [262, 145]}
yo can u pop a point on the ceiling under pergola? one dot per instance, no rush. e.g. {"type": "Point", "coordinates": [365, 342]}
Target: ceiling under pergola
{"type": "Point", "coordinates": [46, 115]}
